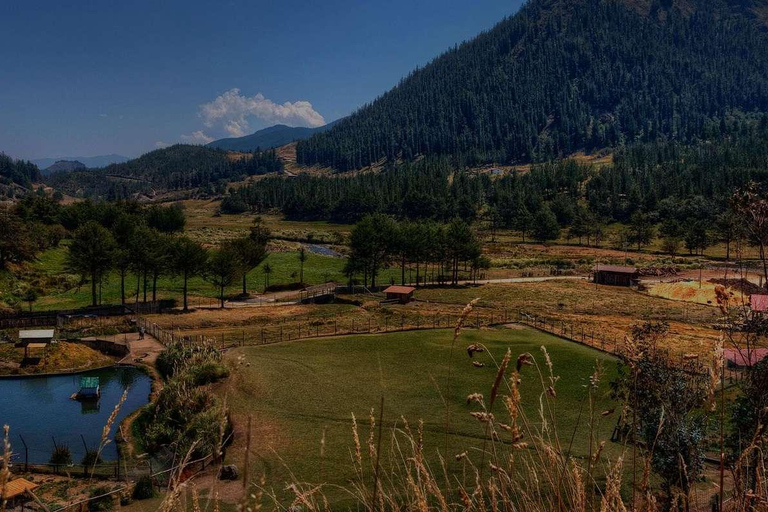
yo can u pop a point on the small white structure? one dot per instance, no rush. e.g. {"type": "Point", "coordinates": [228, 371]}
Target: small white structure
{"type": "Point", "coordinates": [39, 338]}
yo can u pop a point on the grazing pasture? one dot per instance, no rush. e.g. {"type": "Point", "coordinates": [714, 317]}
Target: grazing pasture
{"type": "Point", "coordinates": [302, 396]}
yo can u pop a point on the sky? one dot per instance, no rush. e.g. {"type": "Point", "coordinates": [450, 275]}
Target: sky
{"type": "Point", "coordinates": [94, 77]}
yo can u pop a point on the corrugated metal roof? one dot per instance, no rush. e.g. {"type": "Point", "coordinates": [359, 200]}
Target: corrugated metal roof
{"type": "Point", "coordinates": [38, 334]}
{"type": "Point", "coordinates": [400, 289]}
{"type": "Point", "coordinates": [18, 487]}
{"type": "Point", "coordinates": [615, 268]}
{"type": "Point", "coordinates": [758, 302]}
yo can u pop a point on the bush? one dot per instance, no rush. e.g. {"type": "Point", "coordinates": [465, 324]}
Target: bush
{"type": "Point", "coordinates": [207, 373]}
{"type": "Point", "coordinates": [103, 504]}
{"type": "Point", "coordinates": [61, 456]}
{"type": "Point", "coordinates": [91, 458]}
{"type": "Point", "coordinates": [144, 489]}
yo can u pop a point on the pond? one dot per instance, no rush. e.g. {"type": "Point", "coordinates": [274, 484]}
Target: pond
{"type": "Point", "coordinates": [40, 409]}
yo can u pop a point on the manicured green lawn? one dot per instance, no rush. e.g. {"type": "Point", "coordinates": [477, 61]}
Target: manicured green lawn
{"type": "Point", "coordinates": [298, 392]}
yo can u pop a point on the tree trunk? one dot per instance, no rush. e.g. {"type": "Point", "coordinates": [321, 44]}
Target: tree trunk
{"type": "Point", "coordinates": [402, 271]}
{"type": "Point", "coordinates": [145, 286]}
{"type": "Point", "coordinates": [122, 287]}
{"type": "Point", "coordinates": [93, 289]}
{"type": "Point", "coordinates": [154, 287]}
{"type": "Point", "coordinates": [221, 296]}
{"type": "Point", "coordinates": [186, 308]}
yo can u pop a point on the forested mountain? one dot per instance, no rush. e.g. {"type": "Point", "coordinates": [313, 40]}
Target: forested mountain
{"type": "Point", "coordinates": [179, 167]}
{"type": "Point", "coordinates": [668, 181]}
{"type": "Point", "coordinates": [268, 138]}
{"type": "Point", "coordinates": [567, 75]}
{"type": "Point", "coordinates": [19, 172]}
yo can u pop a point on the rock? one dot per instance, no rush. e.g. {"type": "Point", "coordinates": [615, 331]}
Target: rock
{"type": "Point", "coordinates": [228, 472]}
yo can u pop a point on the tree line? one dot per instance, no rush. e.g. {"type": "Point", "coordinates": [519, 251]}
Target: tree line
{"type": "Point", "coordinates": [378, 242]}
{"type": "Point", "coordinates": [130, 246]}
{"type": "Point", "coordinates": [677, 192]}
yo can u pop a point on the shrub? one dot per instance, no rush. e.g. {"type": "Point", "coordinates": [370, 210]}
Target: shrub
{"type": "Point", "coordinates": [144, 489]}
{"type": "Point", "coordinates": [61, 456]}
{"type": "Point", "coordinates": [102, 504]}
{"type": "Point", "coordinates": [91, 458]}
{"type": "Point", "coordinates": [207, 373]}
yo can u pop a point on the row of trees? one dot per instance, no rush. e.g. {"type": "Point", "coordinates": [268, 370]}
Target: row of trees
{"type": "Point", "coordinates": [378, 242]}
{"type": "Point", "coordinates": [134, 248]}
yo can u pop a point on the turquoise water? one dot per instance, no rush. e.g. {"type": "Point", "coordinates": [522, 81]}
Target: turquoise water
{"type": "Point", "coordinates": [40, 410]}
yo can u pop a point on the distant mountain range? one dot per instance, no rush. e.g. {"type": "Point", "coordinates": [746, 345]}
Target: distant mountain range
{"type": "Point", "coordinates": [268, 138]}
{"type": "Point", "coordinates": [64, 166]}
{"type": "Point", "coordinates": [91, 162]}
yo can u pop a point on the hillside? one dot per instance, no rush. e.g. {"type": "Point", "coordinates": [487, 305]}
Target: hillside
{"type": "Point", "coordinates": [562, 76]}
{"type": "Point", "coordinates": [16, 173]}
{"type": "Point", "coordinates": [268, 138]}
{"type": "Point", "coordinates": [178, 167]}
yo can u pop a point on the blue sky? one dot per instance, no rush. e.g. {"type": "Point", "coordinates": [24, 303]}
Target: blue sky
{"type": "Point", "coordinates": [92, 77]}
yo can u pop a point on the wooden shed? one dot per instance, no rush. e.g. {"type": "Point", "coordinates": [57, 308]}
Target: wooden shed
{"type": "Point", "coordinates": [615, 275]}
{"type": "Point", "coordinates": [402, 294]}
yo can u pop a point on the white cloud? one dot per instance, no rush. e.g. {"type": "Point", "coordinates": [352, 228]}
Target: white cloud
{"type": "Point", "coordinates": [232, 110]}
{"type": "Point", "coordinates": [197, 137]}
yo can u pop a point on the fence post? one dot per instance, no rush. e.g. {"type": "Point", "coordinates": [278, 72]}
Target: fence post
{"type": "Point", "coordinates": [26, 454]}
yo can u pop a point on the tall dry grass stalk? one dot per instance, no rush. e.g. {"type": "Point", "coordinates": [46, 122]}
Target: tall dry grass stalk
{"type": "Point", "coordinates": [5, 470]}
{"type": "Point", "coordinates": [104, 441]}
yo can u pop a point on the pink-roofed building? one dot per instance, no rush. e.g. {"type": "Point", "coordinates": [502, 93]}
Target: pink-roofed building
{"type": "Point", "coordinates": [758, 303]}
{"type": "Point", "coordinates": [740, 358]}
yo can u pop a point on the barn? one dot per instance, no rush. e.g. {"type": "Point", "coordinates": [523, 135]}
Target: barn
{"type": "Point", "coordinates": [615, 275]}
{"type": "Point", "coordinates": [402, 294]}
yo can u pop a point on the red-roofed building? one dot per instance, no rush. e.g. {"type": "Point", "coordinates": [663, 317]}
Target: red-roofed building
{"type": "Point", "coordinates": [404, 294]}
{"type": "Point", "coordinates": [739, 358]}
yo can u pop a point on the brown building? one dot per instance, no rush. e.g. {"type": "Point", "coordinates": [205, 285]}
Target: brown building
{"type": "Point", "coordinates": [403, 294]}
{"type": "Point", "coordinates": [615, 276]}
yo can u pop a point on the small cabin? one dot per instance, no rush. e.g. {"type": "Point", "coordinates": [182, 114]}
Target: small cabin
{"type": "Point", "coordinates": [615, 276]}
{"type": "Point", "coordinates": [89, 388]}
{"type": "Point", "coordinates": [402, 294]}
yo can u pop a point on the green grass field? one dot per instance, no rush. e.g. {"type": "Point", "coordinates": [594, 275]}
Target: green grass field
{"type": "Point", "coordinates": [299, 392]}
{"type": "Point", "coordinates": [50, 264]}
